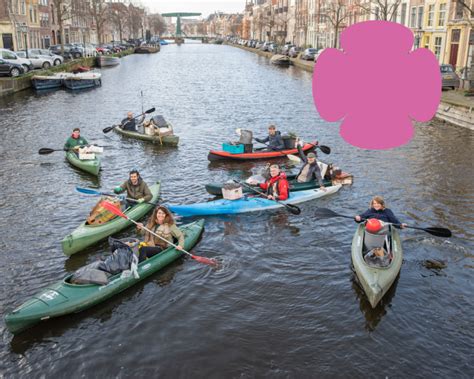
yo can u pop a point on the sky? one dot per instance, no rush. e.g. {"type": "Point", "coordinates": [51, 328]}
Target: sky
{"type": "Point", "coordinates": [205, 7]}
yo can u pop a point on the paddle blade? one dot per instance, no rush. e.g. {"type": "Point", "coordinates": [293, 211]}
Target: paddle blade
{"type": "Point", "coordinates": [294, 158]}
{"type": "Point", "coordinates": [206, 261]}
{"type": "Point", "coordinates": [45, 150]}
{"type": "Point", "coordinates": [293, 209]}
{"type": "Point", "coordinates": [325, 149]}
{"type": "Point", "coordinates": [439, 232]}
{"type": "Point", "coordinates": [112, 208]}
{"type": "Point", "coordinates": [150, 110]}
{"type": "Point", "coordinates": [108, 129]}
{"type": "Point", "coordinates": [88, 191]}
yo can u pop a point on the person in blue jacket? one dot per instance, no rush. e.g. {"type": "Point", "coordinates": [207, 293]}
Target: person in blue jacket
{"type": "Point", "coordinates": [275, 142]}
{"type": "Point", "coordinates": [378, 211]}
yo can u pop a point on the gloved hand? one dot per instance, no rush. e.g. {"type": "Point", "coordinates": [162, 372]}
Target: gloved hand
{"type": "Point", "coordinates": [141, 200]}
{"type": "Point", "coordinates": [122, 198]}
{"type": "Point", "coordinates": [118, 189]}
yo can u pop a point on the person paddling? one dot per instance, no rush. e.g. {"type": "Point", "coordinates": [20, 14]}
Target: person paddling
{"type": "Point", "coordinates": [275, 142]}
{"type": "Point", "coordinates": [378, 211]}
{"type": "Point", "coordinates": [75, 141]}
{"type": "Point", "coordinates": [276, 187]}
{"type": "Point", "coordinates": [130, 123]}
{"type": "Point", "coordinates": [136, 189]}
{"type": "Point", "coordinates": [310, 169]}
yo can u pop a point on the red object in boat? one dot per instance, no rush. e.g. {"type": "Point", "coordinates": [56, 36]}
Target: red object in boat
{"type": "Point", "coordinates": [81, 69]}
{"type": "Point", "coordinates": [215, 155]}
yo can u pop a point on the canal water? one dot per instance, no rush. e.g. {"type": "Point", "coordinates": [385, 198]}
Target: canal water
{"type": "Point", "coordinates": [285, 303]}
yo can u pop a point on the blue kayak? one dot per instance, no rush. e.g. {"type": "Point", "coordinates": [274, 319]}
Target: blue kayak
{"type": "Point", "coordinates": [248, 203]}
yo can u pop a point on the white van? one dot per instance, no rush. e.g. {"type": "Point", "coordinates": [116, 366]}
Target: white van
{"type": "Point", "coordinates": [10, 56]}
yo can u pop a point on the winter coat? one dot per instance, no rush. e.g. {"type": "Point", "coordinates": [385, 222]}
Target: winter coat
{"type": "Point", "coordinates": [277, 186]}
{"type": "Point", "coordinates": [139, 191]}
{"type": "Point", "coordinates": [275, 142]}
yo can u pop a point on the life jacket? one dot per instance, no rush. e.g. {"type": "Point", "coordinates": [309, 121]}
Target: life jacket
{"type": "Point", "coordinates": [276, 185]}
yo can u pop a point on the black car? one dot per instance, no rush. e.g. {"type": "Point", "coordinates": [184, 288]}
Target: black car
{"type": "Point", "coordinates": [70, 51]}
{"type": "Point", "coordinates": [10, 69]}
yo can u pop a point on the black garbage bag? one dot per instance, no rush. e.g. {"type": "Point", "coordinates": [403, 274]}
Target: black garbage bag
{"type": "Point", "coordinates": [121, 258]}
{"type": "Point", "coordinates": [90, 274]}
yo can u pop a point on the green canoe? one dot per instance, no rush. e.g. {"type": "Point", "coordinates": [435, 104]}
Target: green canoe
{"type": "Point", "coordinates": [87, 235]}
{"type": "Point", "coordinates": [165, 140]}
{"type": "Point", "coordinates": [375, 281]}
{"type": "Point", "coordinates": [91, 166]}
{"type": "Point", "coordinates": [63, 298]}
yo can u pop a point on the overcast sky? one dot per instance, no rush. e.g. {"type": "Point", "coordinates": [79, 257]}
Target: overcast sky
{"type": "Point", "coordinates": [200, 6]}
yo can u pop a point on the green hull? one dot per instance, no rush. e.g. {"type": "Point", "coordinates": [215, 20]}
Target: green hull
{"type": "Point", "coordinates": [166, 140]}
{"type": "Point", "coordinates": [64, 298]}
{"type": "Point", "coordinates": [86, 235]}
{"type": "Point", "coordinates": [376, 281]}
{"type": "Point", "coordinates": [90, 166]}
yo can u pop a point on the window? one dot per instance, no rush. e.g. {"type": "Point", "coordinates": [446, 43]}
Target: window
{"type": "Point", "coordinates": [22, 7]}
{"type": "Point", "coordinates": [427, 42]}
{"type": "Point", "coordinates": [413, 18]}
{"type": "Point", "coordinates": [456, 35]}
{"type": "Point", "coordinates": [437, 46]}
{"type": "Point", "coordinates": [420, 17]}
{"type": "Point", "coordinates": [442, 15]}
{"type": "Point", "coordinates": [459, 10]}
{"type": "Point", "coordinates": [430, 15]}
{"type": "Point", "coordinates": [377, 15]}
{"type": "Point", "coordinates": [8, 55]}
{"type": "Point", "coordinates": [404, 14]}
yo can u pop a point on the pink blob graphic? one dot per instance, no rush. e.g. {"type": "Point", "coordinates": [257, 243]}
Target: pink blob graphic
{"type": "Point", "coordinates": [376, 85]}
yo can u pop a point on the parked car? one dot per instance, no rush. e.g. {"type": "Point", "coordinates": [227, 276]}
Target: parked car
{"type": "Point", "coordinates": [101, 49]}
{"type": "Point", "coordinates": [273, 48]}
{"type": "Point", "coordinates": [286, 49]}
{"type": "Point", "coordinates": [266, 46]}
{"type": "Point", "coordinates": [38, 61]}
{"type": "Point", "coordinates": [449, 77]}
{"type": "Point", "coordinates": [70, 51]}
{"type": "Point", "coordinates": [11, 57]}
{"type": "Point", "coordinates": [10, 69]}
{"type": "Point", "coordinates": [294, 51]}
{"type": "Point", "coordinates": [259, 45]}
{"type": "Point", "coordinates": [57, 59]}
{"type": "Point", "coordinates": [309, 54]}
{"type": "Point", "coordinates": [87, 49]}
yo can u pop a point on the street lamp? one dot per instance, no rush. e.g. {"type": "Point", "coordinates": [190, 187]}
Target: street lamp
{"type": "Point", "coordinates": [24, 29]}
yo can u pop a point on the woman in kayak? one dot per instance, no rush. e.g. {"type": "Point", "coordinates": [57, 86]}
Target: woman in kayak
{"type": "Point", "coordinates": [378, 211]}
{"type": "Point", "coordinates": [277, 186]}
{"type": "Point", "coordinates": [161, 223]}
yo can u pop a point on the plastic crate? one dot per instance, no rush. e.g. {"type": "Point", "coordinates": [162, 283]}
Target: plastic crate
{"type": "Point", "coordinates": [233, 149]}
{"type": "Point", "coordinates": [232, 193]}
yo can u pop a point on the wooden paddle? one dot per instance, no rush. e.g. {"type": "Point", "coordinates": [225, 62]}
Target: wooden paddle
{"type": "Point", "coordinates": [47, 150]}
{"type": "Point", "coordinates": [90, 191]}
{"type": "Point", "coordinates": [112, 208]}
{"type": "Point", "coordinates": [436, 231]}
{"type": "Point", "coordinates": [109, 128]}
{"type": "Point", "coordinates": [291, 208]}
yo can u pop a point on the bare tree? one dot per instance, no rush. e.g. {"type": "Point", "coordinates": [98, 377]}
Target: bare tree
{"type": "Point", "coordinates": [118, 14]}
{"type": "Point", "coordinates": [335, 13]}
{"type": "Point", "coordinates": [63, 13]}
{"type": "Point", "coordinates": [157, 24]}
{"type": "Point", "coordinates": [386, 10]}
{"type": "Point", "coordinates": [99, 12]}
{"type": "Point", "coordinates": [134, 20]}
{"type": "Point", "coordinates": [302, 18]}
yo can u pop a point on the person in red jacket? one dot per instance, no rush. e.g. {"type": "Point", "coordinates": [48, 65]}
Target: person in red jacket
{"type": "Point", "coordinates": [277, 186]}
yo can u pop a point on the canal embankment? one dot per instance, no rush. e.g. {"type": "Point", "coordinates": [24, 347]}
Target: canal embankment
{"type": "Point", "coordinates": [454, 108]}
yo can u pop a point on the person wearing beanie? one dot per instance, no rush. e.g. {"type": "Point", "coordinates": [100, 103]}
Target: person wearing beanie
{"type": "Point", "coordinates": [310, 169]}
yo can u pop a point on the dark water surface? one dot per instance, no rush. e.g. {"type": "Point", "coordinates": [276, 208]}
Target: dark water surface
{"type": "Point", "coordinates": [284, 304]}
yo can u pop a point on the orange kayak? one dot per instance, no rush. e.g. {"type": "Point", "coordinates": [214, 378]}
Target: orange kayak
{"type": "Point", "coordinates": [215, 155]}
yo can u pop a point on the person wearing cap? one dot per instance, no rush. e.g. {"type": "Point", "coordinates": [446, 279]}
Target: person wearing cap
{"type": "Point", "coordinates": [310, 169]}
{"type": "Point", "coordinates": [136, 188]}
{"type": "Point", "coordinates": [75, 141]}
{"type": "Point", "coordinates": [275, 142]}
{"type": "Point", "coordinates": [130, 123]}
{"type": "Point", "coordinates": [276, 187]}
{"type": "Point", "coordinates": [378, 211]}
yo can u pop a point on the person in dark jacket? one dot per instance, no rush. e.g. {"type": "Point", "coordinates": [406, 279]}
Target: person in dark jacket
{"type": "Point", "coordinates": [275, 142]}
{"type": "Point", "coordinates": [136, 189]}
{"type": "Point", "coordinates": [130, 123]}
{"type": "Point", "coordinates": [75, 140]}
{"type": "Point", "coordinates": [277, 186]}
{"type": "Point", "coordinates": [378, 211]}
{"type": "Point", "coordinates": [310, 169]}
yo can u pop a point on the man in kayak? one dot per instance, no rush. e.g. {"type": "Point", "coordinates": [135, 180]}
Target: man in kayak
{"type": "Point", "coordinates": [136, 189]}
{"type": "Point", "coordinates": [378, 211]}
{"type": "Point", "coordinates": [130, 123]}
{"type": "Point", "coordinates": [75, 140]}
{"type": "Point", "coordinates": [275, 142]}
{"type": "Point", "coordinates": [310, 169]}
{"type": "Point", "coordinates": [277, 186]}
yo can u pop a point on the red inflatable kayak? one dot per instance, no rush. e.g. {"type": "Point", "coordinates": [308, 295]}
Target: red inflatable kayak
{"type": "Point", "coordinates": [215, 155]}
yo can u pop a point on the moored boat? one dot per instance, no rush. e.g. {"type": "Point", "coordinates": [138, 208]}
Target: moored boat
{"type": "Point", "coordinates": [375, 281]}
{"type": "Point", "coordinates": [248, 203]}
{"type": "Point", "coordinates": [147, 49]}
{"type": "Point", "coordinates": [64, 298]}
{"type": "Point", "coordinates": [83, 80]}
{"type": "Point", "coordinates": [87, 235]}
{"type": "Point", "coordinates": [280, 60]}
{"type": "Point", "coordinates": [41, 82]}
{"type": "Point", "coordinates": [91, 166]}
{"type": "Point", "coordinates": [215, 155]}
{"type": "Point", "coordinates": [107, 61]}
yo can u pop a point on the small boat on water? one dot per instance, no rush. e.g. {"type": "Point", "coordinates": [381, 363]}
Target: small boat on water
{"type": "Point", "coordinates": [91, 166]}
{"type": "Point", "coordinates": [83, 80]}
{"type": "Point", "coordinates": [216, 155]}
{"type": "Point", "coordinates": [147, 49]}
{"type": "Point", "coordinates": [86, 235]}
{"type": "Point", "coordinates": [41, 82]}
{"type": "Point", "coordinates": [107, 61]}
{"type": "Point", "coordinates": [280, 60]}
{"type": "Point", "coordinates": [157, 130]}
{"type": "Point", "coordinates": [375, 280]}
{"type": "Point", "coordinates": [64, 297]}
{"type": "Point", "coordinates": [248, 203]}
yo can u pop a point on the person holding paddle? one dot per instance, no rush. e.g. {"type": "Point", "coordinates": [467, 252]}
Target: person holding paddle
{"type": "Point", "coordinates": [136, 189]}
{"type": "Point", "coordinates": [277, 186]}
{"type": "Point", "coordinates": [378, 211]}
{"type": "Point", "coordinates": [310, 169]}
{"type": "Point", "coordinates": [130, 123]}
{"type": "Point", "coordinates": [75, 140]}
{"type": "Point", "coordinates": [275, 142]}
{"type": "Point", "coordinates": [162, 224]}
